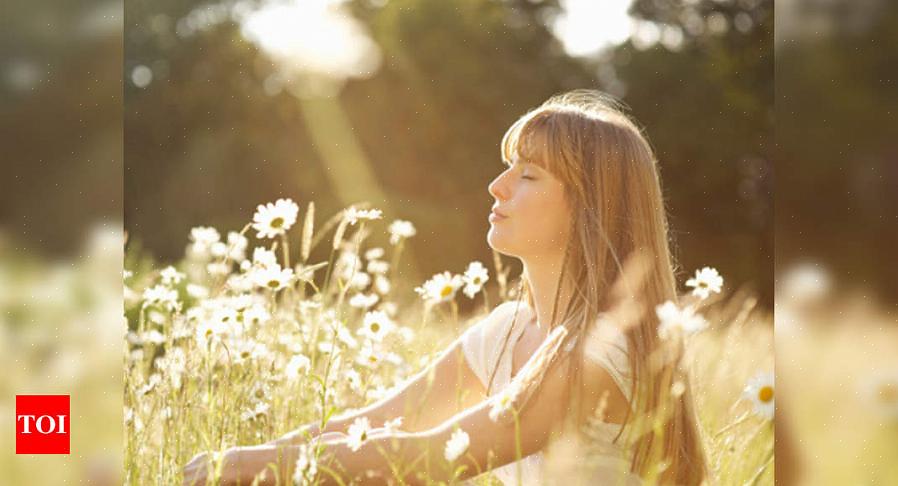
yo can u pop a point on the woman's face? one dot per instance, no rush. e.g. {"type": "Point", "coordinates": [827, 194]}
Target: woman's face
{"type": "Point", "coordinates": [534, 218]}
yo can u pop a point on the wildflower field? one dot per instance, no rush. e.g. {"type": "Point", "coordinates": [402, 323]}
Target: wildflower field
{"type": "Point", "coordinates": [246, 339]}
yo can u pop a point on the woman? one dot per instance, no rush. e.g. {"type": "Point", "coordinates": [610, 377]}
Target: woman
{"type": "Point", "coordinates": [579, 201]}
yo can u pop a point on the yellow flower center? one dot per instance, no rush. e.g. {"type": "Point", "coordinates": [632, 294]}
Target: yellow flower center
{"type": "Point", "coordinates": [277, 222]}
{"type": "Point", "coordinates": [476, 280]}
{"type": "Point", "coordinates": [765, 394]}
{"type": "Point", "coordinates": [375, 327]}
{"type": "Point", "coordinates": [273, 284]}
{"type": "Point", "coordinates": [447, 290]}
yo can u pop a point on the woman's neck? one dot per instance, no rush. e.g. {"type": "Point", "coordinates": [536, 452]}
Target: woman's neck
{"type": "Point", "coordinates": [542, 274]}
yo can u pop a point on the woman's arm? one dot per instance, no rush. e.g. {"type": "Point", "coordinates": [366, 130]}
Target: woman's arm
{"type": "Point", "coordinates": [492, 444]}
{"type": "Point", "coordinates": [417, 457]}
{"type": "Point", "coordinates": [446, 387]}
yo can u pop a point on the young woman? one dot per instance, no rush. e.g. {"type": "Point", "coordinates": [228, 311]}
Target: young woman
{"type": "Point", "coordinates": [579, 200]}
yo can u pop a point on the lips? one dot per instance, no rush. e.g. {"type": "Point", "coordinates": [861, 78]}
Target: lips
{"type": "Point", "coordinates": [496, 216]}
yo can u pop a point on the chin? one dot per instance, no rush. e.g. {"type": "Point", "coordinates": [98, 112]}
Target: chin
{"type": "Point", "coordinates": [499, 243]}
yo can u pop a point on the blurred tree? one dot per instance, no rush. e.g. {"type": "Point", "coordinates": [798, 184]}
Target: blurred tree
{"type": "Point", "coordinates": [217, 131]}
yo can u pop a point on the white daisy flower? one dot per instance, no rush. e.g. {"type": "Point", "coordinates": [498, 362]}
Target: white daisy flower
{"type": "Point", "coordinates": [298, 363]}
{"type": "Point", "coordinates": [260, 410]}
{"type": "Point", "coordinates": [706, 280]}
{"type": "Point", "coordinates": [161, 295]}
{"type": "Point", "coordinates": [457, 445]}
{"type": "Point", "coordinates": [201, 240]}
{"type": "Point", "coordinates": [675, 320]}
{"type": "Point", "coordinates": [760, 392]}
{"type": "Point", "coordinates": [504, 400]}
{"type": "Point", "coordinates": [382, 285]}
{"type": "Point", "coordinates": [440, 288]}
{"type": "Point", "coordinates": [393, 424]}
{"type": "Point", "coordinates": [345, 336]}
{"type": "Point", "coordinates": [354, 215]}
{"type": "Point", "coordinates": [171, 276]}
{"type": "Point", "coordinates": [376, 326]}
{"type": "Point", "coordinates": [274, 219]}
{"type": "Point", "coordinates": [218, 249]}
{"type": "Point", "coordinates": [197, 291]}
{"type": "Point", "coordinates": [217, 269]}
{"type": "Point", "coordinates": [374, 253]}
{"type": "Point", "coordinates": [272, 278]}
{"type": "Point", "coordinates": [237, 245]}
{"type": "Point", "coordinates": [369, 356]}
{"type": "Point", "coordinates": [263, 258]}
{"type": "Point", "coordinates": [306, 466]}
{"type": "Point", "coordinates": [360, 281]}
{"type": "Point", "coordinates": [475, 276]}
{"type": "Point", "coordinates": [208, 331]}
{"type": "Point", "coordinates": [400, 230]}
{"type": "Point", "coordinates": [363, 301]}
{"type": "Point", "coordinates": [378, 267]}
{"type": "Point", "coordinates": [353, 378]}
{"type": "Point", "coordinates": [358, 433]}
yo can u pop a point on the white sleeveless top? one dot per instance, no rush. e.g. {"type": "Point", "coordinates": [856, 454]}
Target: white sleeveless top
{"type": "Point", "coordinates": [482, 346]}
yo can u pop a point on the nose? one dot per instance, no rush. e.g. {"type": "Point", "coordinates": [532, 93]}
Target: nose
{"type": "Point", "coordinates": [498, 188]}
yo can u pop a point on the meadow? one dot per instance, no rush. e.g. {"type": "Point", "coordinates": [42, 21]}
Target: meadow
{"type": "Point", "coordinates": [246, 339]}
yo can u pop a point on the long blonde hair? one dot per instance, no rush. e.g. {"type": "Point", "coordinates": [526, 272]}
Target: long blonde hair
{"type": "Point", "coordinates": [610, 173]}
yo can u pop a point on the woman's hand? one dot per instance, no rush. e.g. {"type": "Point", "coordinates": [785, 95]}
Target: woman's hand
{"type": "Point", "coordinates": [196, 471]}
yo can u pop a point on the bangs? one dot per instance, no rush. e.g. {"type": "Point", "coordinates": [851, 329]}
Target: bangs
{"type": "Point", "coordinates": [528, 139]}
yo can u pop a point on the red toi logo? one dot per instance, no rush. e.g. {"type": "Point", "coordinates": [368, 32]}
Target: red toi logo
{"type": "Point", "coordinates": [42, 424]}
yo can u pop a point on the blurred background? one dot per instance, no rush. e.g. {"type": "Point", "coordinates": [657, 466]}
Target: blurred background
{"type": "Point", "coordinates": [61, 324]}
{"type": "Point", "coordinates": [403, 104]}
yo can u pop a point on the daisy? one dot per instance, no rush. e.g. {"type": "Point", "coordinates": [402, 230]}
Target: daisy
{"type": "Point", "coordinates": [440, 288]}
{"type": "Point", "coordinates": [274, 219]}
{"type": "Point", "coordinates": [263, 257]}
{"type": "Point", "coordinates": [706, 280]}
{"type": "Point", "coordinates": [201, 240]}
{"type": "Point", "coordinates": [378, 267]}
{"type": "Point", "coordinates": [400, 230]}
{"type": "Point", "coordinates": [382, 285]}
{"type": "Point", "coordinates": [760, 392]}
{"type": "Point", "coordinates": [363, 301]}
{"type": "Point", "coordinates": [457, 445]}
{"type": "Point", "coordinates": [306, 466]}
{"type": "Point", "coordinates": [237, 244]}
{"type": "Point", "coordinates": [504, 400]}
{"type": "Point", "coordinates": [296, 364]}
{"type": "Point", "coordinates": [675, 320]}
{"type": "Point", "coordinates": [354, 215]}
{"type": "Point", "coordinates": [376, 326]}
{"type": "Point", "coordinates": [170, 276]}
{"type": "Point", "coordinates": [272, 278]}
{"type": "Point", "coordinates": [393, 425]}
{"type": "Point", "coordinates": [358, 433]}
{"type": "Point", "coordinates": [345, 336]}
{"type": "Point", "coordinates": [197, 291]}
{"type": "Point", "coordinates": [162, 295]}
{"type": "Point", "coordinates": [374, 253]}
{"type": "Point", "coordinates": [353, 378]}
{"type": "Point", "coordinates": [475, 276]}
{"type": "Point", "coordinates": [207, 331]}
{"type": "Point", "coordinates": [369, 356]}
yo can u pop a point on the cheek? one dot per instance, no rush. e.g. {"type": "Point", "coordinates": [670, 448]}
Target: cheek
{"type": "Point", "coordinates": [547, 221]}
